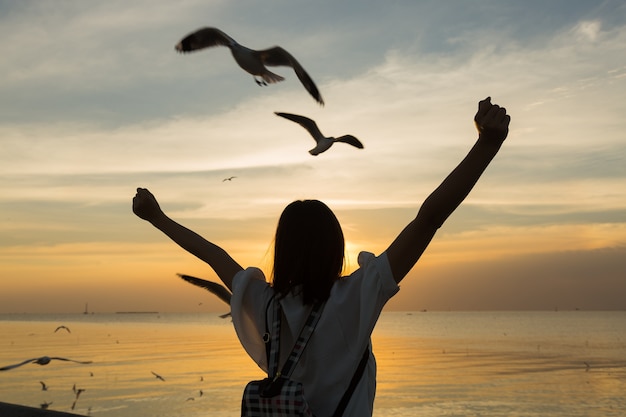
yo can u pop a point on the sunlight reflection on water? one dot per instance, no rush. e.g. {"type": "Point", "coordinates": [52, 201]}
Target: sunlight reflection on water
{"type": "Point", "coordinates": [429, 364]}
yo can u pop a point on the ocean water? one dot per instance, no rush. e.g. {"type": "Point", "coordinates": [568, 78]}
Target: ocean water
{"type": "Point", "coordinates": [429, 364]}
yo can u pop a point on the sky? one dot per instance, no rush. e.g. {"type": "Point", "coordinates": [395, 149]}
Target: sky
{"type": "Point", "coordinates": [95, 102]}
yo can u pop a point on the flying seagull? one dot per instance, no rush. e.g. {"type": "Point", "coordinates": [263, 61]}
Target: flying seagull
{"type": "Point", "coordinates": [158, 376]}
{"type": "Point", "coordinates": [217, 289]}
{"type": "Point", "coordinates": [250, 60]}
{"type": "Point", "coordinates": [323, 142]}
{"type": "Point", "coordinates": [64, 328]}
{"type": "Point", "coordinates": [77, 392]}
{"type": "Point", "coordinates": [44, 360]}
{"type": "Point", "coordinates": [229, 179]}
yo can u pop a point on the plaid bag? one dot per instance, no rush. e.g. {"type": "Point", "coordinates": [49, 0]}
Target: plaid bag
{"type": "Point", "coordinates": [277, 395]}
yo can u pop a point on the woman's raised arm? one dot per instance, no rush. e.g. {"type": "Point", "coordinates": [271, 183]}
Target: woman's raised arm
{"type": "Point", "coordinates": [492, 123]}
{"type": "Point", "coordinates": [146, 207]}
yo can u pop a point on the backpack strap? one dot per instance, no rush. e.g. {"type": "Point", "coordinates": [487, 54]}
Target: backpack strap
{"type": "Point", "coordinates": [273, 350]}
{"type": "Point", "coordinates": [267, 336]}
{"type": "Point", "coordinates": [273, 338]}
{"type": "Point", "coordinates": [358, 374]}
{"type": "Point", "coordinates": [300, 344]}
{"type": "Point", "coordinates": [303, 339]}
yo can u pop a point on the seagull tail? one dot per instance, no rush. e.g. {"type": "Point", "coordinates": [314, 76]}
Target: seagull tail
{"type": "Point", "coordinates": [271, 78]}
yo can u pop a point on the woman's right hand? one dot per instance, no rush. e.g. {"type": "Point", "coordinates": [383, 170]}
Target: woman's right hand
{"type": "Point", "coordinates": [492, 121]}
{"type": "Point", "coordinates": [145, 205]}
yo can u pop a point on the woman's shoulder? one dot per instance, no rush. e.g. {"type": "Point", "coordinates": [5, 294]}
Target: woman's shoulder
{"type": "Point", "coordinates": [373, 271]}
{"type": "Point", "coordinates": [252, 272]}
{"type": "Point", "coordinates": [247, 277]}
{"type": "Point", "coordinates": [372, 264]}
{"type": "Point", "coordinates": [364, 258]}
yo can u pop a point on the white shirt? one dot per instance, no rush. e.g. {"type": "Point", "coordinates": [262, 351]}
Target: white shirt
{"type": "Point", "coordinates": [335, 348]}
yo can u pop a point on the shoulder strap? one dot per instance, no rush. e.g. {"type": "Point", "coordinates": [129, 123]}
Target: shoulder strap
{"type": "Point", "coordinates": [300, 344]}
{"type": "Point", "coordinates": [273, 338]}
{"type": "Point", "coordinates": [267, 335]}
{"type": "Point", "coordinates": [358, 374]}
{"type": "Point", "coordinates": [303, 339]}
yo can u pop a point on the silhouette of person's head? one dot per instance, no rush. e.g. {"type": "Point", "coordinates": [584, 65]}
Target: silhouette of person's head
{"type": "Point", "coordinates": [308, 251]}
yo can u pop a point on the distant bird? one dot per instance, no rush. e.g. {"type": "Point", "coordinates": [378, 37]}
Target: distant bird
{"type": "Point", "coordinates": [250, 60]}
{"type": "Point", "coordinates": [45, 405]}
{"type": "Point", "coordinates": [323, 142]}
{"type": "Point", "coordinates": [44, 360]}
{"type": "Point", "coordinates": [228, 179]}
{"type": "Point", "coordinates": [44, 387]}
{"type": "Point", "coordinates": [62, 327]}
{"type": "Point", "coordinates": [158, 376]}
{"type": "Point", "coordinates": [213, 287]}
{"type": "Point", "coordinates": [77, 392]}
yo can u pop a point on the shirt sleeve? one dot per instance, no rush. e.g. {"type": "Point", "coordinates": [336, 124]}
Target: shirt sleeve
{"type": "Point", "coordinates": [360, 298]}
{"type": "Point", "coordinates": [249, 317]}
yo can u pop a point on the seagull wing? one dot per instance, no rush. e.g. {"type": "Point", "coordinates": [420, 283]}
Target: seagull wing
{"type": "Point", "coordinates": [277, 56]}
{"type": "Point", "coordinates": [351, 140]}
{"type": "Point", "coordinates": [158, 376]}
{"type": "Point", "coordinates": [6, 368]}
{"type": "Point", "coordinates": [219, 290]}
{"type": "Point", "coordinates": [204, 38]}
{"type": "Point", "coordinates": [71, 360]}
{"type": "Point", "coordinates": [305, 122]}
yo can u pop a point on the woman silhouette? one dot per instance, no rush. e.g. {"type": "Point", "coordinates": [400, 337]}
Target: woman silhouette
{"type": "Point", "coordinates": [308, 260]}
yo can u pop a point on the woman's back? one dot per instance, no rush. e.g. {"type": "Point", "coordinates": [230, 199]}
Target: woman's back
{"type": "Point", "coordinates": [339, 340]}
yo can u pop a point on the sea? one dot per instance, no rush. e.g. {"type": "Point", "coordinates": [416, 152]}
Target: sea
{"type": "Point", "coordinates": [550, 363]}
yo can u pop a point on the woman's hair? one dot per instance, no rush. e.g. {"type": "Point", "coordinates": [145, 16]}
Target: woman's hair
{"type": "Point", "coordinates": [308, 251]}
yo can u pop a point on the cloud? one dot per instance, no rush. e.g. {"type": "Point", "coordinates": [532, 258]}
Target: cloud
{"type": "Point", "coordinates": [567, 280]}
{"type": "Point", "coordinates": [100, 104]}
{"type": "Point", "coordinates": [401, 109]}
{"type": "Point", "coordinates": [588, 30]}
